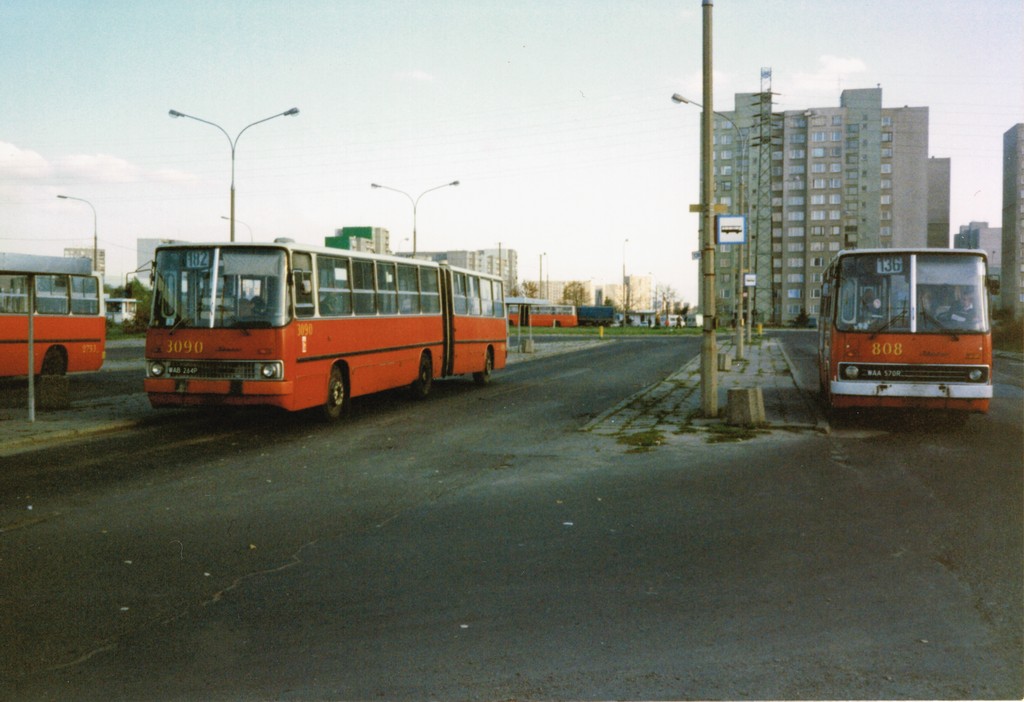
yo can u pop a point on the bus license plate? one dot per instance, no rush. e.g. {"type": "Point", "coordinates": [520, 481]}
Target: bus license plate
{"type": "Point", "coordinates": [183, 370]}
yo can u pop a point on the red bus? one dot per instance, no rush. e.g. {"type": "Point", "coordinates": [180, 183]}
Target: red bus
{"type": "Point", "coordinates": [906, 328]}
{"type": "Point", "coordinates": [69, 329]}
{"type": "Point", "coordinates": [544, 315]}
{"type": "Point", "coordinates": [298, 327]}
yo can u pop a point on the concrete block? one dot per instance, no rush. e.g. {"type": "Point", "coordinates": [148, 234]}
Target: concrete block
{"type": "Point", "coordinates": [526, 346]}
{"type": "Point", "coordinates": [745, 407]}
{"type": "Point", "coordinates": [724, 361]}
{"type": "Point", "coordinates": [52, 392]}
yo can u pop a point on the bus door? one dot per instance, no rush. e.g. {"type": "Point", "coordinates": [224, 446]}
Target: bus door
{"type": "Point", "coordinates": [448, 314]}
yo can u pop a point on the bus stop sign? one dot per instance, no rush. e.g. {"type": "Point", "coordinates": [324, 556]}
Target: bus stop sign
{"type": "Point", "coordinates": [731, 229]}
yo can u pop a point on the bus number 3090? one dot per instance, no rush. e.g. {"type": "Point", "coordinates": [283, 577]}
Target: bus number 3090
{"type": "Point", "coordinates": [184, 346]}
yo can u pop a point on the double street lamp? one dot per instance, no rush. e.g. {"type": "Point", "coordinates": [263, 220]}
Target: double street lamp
{"type": "Point", "coordinates": [95, 240]}
{"type": "Point", "coordinates": [414, 202]}
{"type": "Point", "coordinates": [234, 143]}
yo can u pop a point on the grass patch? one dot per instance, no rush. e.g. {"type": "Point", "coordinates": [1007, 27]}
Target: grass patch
{"type": "Point", "coordinates": [725, 433]}
{"type": "Point", "coordinates": [642, 441]}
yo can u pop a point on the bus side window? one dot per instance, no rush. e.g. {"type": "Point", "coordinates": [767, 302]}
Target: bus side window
{"type": "Point", "coordinates": [334, 292]}
{"type": "Point", "coordinates": [84, 295]}
{"type": "Point", "coordinates": [486, 298]}
{"type": "Point", "coordinates": [461, 303]}
{"type": "Point", "coordinates": [362, 285]}
{"type": "Point", "coordinates": [474, 295]}
{"type": "Point", "coordinates": [408, 290]}
{"type": "Point", "coordinates": [51, 294]}
{"type": "Point", "coordinates": [302, 266]}
{"type": "Point", "coordinates": [387, 288]}
{"type": "Point", "coordinates": [499, 299]}
{"type": "Point", "coordinates": [430, 298]}
{"type": "Point", "coordinates": [14, 294]}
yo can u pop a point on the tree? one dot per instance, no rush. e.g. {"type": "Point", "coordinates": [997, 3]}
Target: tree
{"type": "Point", "coordinates": [575, 293]}
{"type": "Point", "coordinates": [530, 289]}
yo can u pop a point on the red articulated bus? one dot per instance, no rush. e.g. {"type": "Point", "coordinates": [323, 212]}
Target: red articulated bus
{"type": "Point", "coordinates": [544, 315]}
{"type": "Point", "coordinates": [69, 329]}
{"type": "Point", "coordinates": [298, 327]}
{"type": "Point", "coordinates": [906, 328]}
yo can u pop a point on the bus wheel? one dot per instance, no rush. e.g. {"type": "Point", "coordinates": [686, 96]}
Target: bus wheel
{"type": "Point", "coordinates": [421, 386]}
{"type": "Point", "coordinates": [337, 395]}
{"type": "Point", "coordinates": [55, 362]}
{"type": "Point", "coordinates": [483, 377]}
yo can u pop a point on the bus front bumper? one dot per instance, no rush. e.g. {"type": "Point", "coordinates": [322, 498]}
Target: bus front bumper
{"type": "Point", "coordinates": [179, 392]}
{"type": "Point", "coordinates": [948, 396]}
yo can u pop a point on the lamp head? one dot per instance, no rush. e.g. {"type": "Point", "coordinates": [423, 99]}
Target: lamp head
{"type": "Point", "coordinates": [374, 185]}
{"type": "Point", "coordinates": [175, 113]}
{"type": "Point", "coordinates": [293, 111]}
{"type": "Point", "coordinates": [63, 197]}
{"type": "Point", "coordinates": [676, 97]}
{"type": "Point", "coordinates": [454, 182]}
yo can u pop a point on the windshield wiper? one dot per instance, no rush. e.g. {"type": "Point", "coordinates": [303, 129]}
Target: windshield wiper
{"type": "Point", "coordinates": [888, 323]}
{"type": "Point", "coordinates": [181, 320]}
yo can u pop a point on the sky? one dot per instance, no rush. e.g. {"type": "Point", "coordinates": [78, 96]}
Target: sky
{"type": "Point", "coordinates": [554, 115]}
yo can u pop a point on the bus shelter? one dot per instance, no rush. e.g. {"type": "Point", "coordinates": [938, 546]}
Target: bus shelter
{"type": "Point", "coordinates": [519, 311]}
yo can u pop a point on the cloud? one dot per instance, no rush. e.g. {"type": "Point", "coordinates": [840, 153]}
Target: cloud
{"type": "Point", "coordinates": [834, 73]}
{"type": "Point", "coordinates": [20, 164]}
{"type": "Point", "coordinates": [99, 167]}
{"type": "Point", "coordinates": [416, 76]}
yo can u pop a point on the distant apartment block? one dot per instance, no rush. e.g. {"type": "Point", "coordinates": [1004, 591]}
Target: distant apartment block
{"type": "Point", "coordinates": [978, 235]}
{"type": "Point", "coordinates": [501, 262]}
{"type": "Point", "coordinates": [818, 180]}
{"type": "Point", "coordinates": [1012, 279]}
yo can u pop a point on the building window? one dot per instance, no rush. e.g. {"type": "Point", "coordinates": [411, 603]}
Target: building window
{"type": "Point", "coordinates": [886, 168]}
{"type": "Point", "coordinates": [817, 168]}
{"type": "Point", "coordinates": [797, 153]}
{"type": "Point", "coordinates": [818, 152]}
{"type": "Point", "coordinates": [795, 200]}
{"type": "Point", "coordinates": [835, 199]}
{"type": "Point", "coordinates": [795, 294]}
{"type": "Point", "coordinates": [795, 216]}
{"type": "Point", "coordinates": [795, 231]}
{"type": "Point", "coordinates": [887, 199]}
{"type": "Point", "coordinates": [886, 137]}
{"type": "Point", "coordinates": [818, 215]}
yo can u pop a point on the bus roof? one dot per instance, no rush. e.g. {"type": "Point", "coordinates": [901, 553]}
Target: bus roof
{"type": "Point", "coordinates": [31, 263]}
{"type": "Point", "coordinates": [291, 245]}
{"type": "Point", "coordinates": [917, 250]}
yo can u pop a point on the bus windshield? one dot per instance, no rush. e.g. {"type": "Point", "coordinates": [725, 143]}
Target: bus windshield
{"type": "Point", "coordinates": [212, 287]}
{"type": "Point", "coordinates": [905, 292]}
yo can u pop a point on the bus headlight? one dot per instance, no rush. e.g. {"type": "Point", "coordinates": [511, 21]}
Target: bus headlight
{"type": "Point", "coordinates": [271, 371]}
{"type": "Point", "coordinates": [852, 372]}
{"type": "Point", "coordinates": [975, 374]}
{"type": "Point", "coordinates": [156, 369]}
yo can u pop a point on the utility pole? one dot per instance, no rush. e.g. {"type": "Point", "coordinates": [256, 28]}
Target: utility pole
{"type": "Point", "coordinates": [708, 348]}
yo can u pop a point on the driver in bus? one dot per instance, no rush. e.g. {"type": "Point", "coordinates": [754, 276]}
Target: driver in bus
{"type": "Point", "coordinates": [870, 307]}
{"type": "Point", "coordinates": [251, 307]}
{"type": "Point", "coordinates": [964, 311]}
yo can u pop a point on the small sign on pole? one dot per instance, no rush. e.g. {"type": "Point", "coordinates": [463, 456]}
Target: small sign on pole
{"type": "Point", "coordinates": [731, 229]}
{"type": "Point", "coordinates": [750, 280]}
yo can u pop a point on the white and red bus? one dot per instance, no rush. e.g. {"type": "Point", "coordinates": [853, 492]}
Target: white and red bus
{"type": "Point", "coordinates": [68, 326]}
{"type": "Point", "coordinates": [906, 328]}
{"type": "Point", "coordinates": [297, 326]}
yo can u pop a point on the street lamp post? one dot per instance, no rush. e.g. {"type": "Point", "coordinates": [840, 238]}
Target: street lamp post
{"type": "Point", "coordinates": [234, 143]}
{"type": "Point", "coordinates": [415, 202]}
{"type": "Point", "coordinates": [677, 98]}
{"type": "Point", "coordinates": [95, 240]}
{"type": "Point", "coordinates": [242, 223]}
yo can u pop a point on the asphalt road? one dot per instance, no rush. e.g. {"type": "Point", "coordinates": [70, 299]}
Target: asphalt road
{"type": "Point", "coordinates": [479, 546]}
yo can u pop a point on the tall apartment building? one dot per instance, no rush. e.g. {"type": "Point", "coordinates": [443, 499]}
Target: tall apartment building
{"type": "Point", "coordinates": [978, 235]}
{"type": "Point", "coordinates": [816, 181]}
{"type": "Point", "coordinates": [503, 262]}
{"type": "Point", "coordinates": [1012, 280]}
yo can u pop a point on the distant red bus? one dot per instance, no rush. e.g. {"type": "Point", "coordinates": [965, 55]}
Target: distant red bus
{"type": "Point", "coordinates": [299, 327]}
{"type": "Point", "coordinates": [69, 329]}
{"type": "Point", "coordinates": [545, 315]}
{"type": "Point", "coordinates": [906, 328]}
